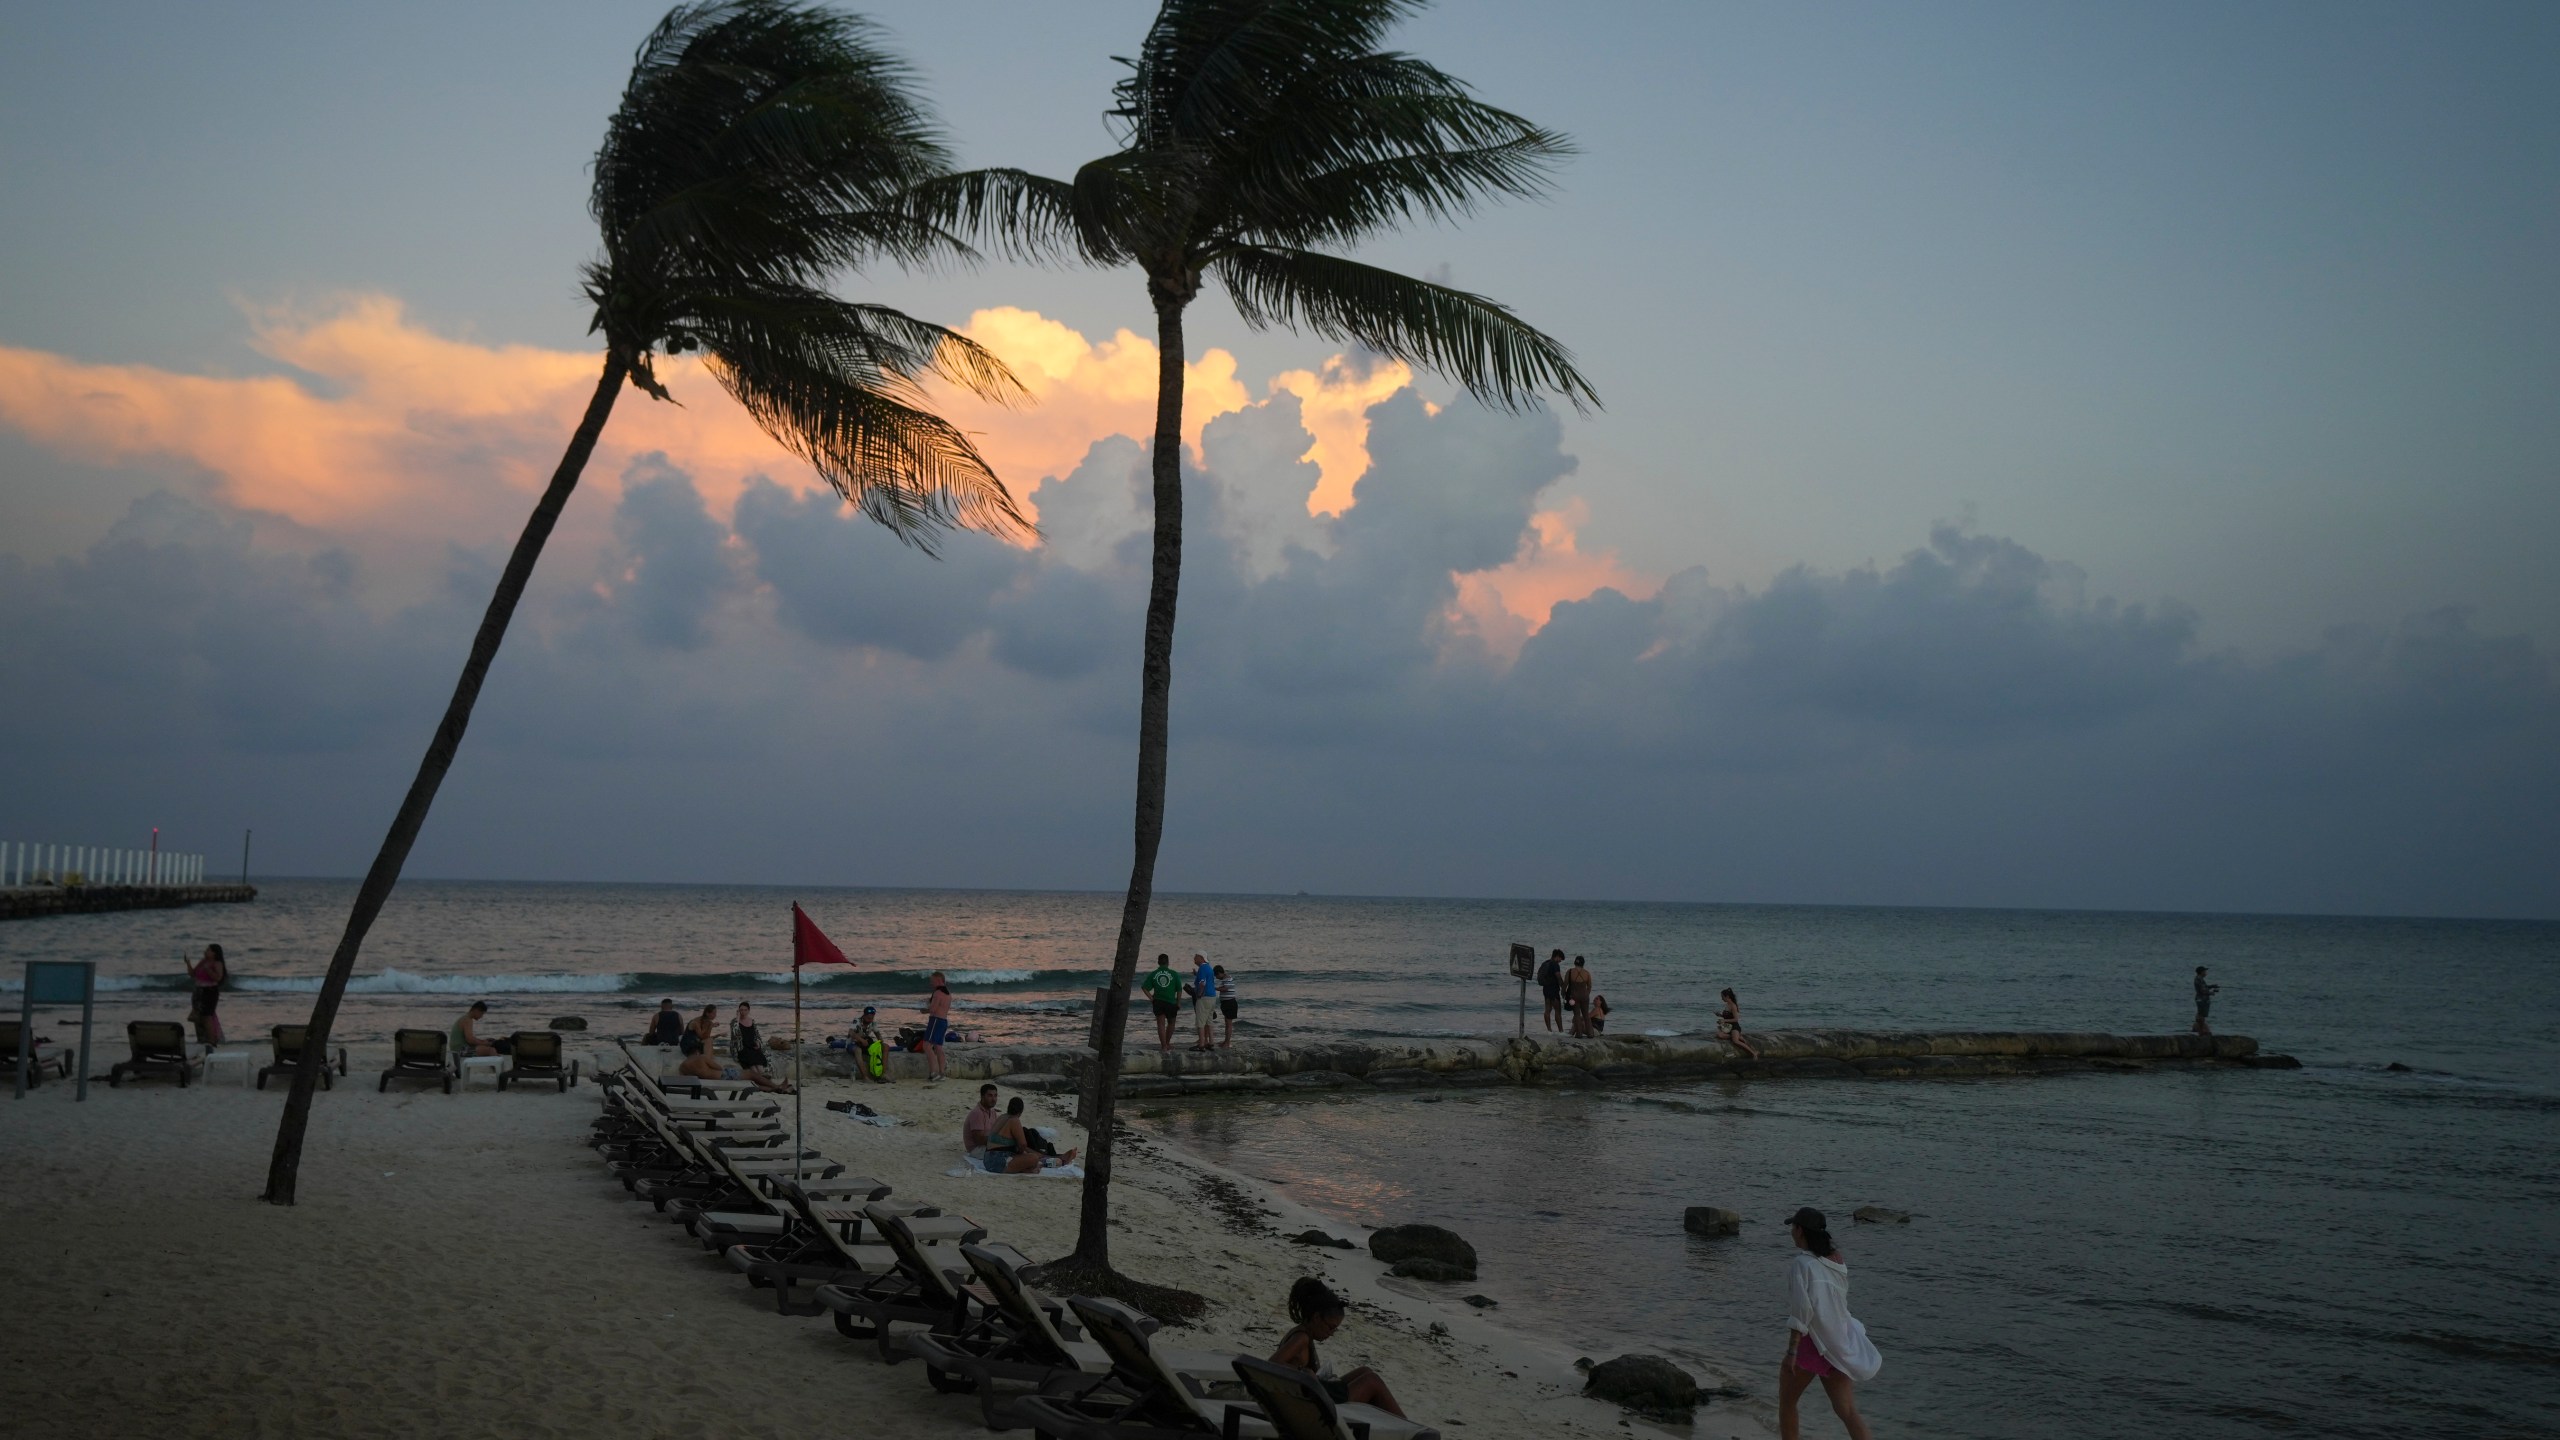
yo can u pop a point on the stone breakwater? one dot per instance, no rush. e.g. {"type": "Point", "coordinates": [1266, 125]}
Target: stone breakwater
{"type": "Point", "coordinates": [1283, 1066]}
{"type": "Point", "coordinates": [41, 900]}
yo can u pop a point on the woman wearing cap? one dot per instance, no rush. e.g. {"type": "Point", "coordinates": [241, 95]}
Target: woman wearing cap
{"type": "Point", "coordinates": [1824, 1341]}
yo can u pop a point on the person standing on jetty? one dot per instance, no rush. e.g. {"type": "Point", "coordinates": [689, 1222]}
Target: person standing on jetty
{"type": "Point", "coordinates": [1824, 1341]}
{"type": "Point", "coordinates": [1551, 986]}
{"type": "Point", "coordinates": [1226, 1004]}
{"type": "Point", "coordinates": [2204, 1003]}
{"type": "Point", "coordinates": [1577, 997]}
{"type": "Point", "coordinates": [1163, 990]}
{"type": "Point", "coordinates": [937, 1028]}
{"type": "Point", "coordinates": [208, 974]}
{"type": "Point", "coordinates": [1204, 1000]}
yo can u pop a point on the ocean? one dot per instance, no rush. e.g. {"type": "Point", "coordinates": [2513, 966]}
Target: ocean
{"type": "Point", "coordinates": [2349, 1249]}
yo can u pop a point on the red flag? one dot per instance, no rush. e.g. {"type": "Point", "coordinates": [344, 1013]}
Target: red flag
{"type": "Point", "coordinates": [809, 944]}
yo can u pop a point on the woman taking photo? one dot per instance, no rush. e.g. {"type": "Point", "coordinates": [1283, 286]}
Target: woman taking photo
{"type": "Point", "coordinates": [1824, 1341]}
{"type": "Point", "coordinates": [208, 975]}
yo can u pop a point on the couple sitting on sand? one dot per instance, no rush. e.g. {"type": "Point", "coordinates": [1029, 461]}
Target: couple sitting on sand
{"type": "Point", "coordinates": [746, 1047]}
{"type": "Point", "coordinates": [1001, 1144]}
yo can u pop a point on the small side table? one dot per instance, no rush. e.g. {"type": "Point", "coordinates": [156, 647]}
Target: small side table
{"type": "Point", "coordinates": [234, 1055]}
{"type": "Point", "coordinates": [491, 1063]}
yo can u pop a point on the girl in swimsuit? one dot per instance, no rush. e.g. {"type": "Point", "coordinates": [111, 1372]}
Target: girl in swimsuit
{"type": "Point", "coordinates": [1318, 1312]}
{"type": "Point", "coordinates": [1729, 1026]}
{"type": "Point", "coordinates": [208, 975]}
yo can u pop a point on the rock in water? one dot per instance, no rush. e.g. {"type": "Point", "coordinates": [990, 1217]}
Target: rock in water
{"type": "Point", "coordinates": [1318, 1237]}
{"type": "Point", "coordinates": [1646, 1384]}
{"type": "Point", "coordinates": [1483, 1302]}
{"type": "Point", "coordinates": [1710, 1221]}
{"type": "Point", "coordinates": [568, 1022]}
{"type": "Point", "coordinates": [1399, 1243]}
{"type": "Point", "coordinates": [1878, 1215]}
{"type": "Point", "coordinates": [2397, 1066]}
{"type": "Point", "coordinates": [1418, 1268]}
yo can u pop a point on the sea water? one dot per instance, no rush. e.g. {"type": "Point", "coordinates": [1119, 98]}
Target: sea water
{"type": "Point", "coordinates": [2348, 1249]}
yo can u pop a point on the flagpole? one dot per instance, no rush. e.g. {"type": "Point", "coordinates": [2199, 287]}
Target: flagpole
{"type": "Point", "coordinates": [799, 1105]}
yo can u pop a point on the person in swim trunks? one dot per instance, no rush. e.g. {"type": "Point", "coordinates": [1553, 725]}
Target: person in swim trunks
{"type": "Point", "coordinates": [1551, 986]}
{"type": "Point", "coordinates": [1163, 989]}
{"type": "Point", "coordinates": [937, 1028]}
{"type": "Point", "coordinates": [1577, 996]}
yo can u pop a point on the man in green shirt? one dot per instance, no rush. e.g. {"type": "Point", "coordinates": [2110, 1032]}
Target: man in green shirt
{"type": "Point", "coordinates": [1163, 989]}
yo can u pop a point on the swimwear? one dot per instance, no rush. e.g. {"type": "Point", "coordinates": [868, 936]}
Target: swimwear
{"type": "Point", "coordinates": [1166, 1010]}
{"type": "Point", "coordinates": [1227, 1006]}
{"type": "Point", "coordinates": [995, 1161]}
{"type": "Point", "coordinates": [935, 1029]}
{"type": "Point", "coordinates": [1809, 1358]}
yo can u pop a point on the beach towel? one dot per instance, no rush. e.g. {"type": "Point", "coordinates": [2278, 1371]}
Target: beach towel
{"type": "Point", "coordinates": [968, 1166]}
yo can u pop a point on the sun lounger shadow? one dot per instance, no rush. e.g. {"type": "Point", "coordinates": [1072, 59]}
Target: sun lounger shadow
{"type": "Point", "coordinates": [288, 1042]}
{"type": "Point", "coordinates": [418, 1055]}
{"type": "Point", "coordinates": [159, 1048]}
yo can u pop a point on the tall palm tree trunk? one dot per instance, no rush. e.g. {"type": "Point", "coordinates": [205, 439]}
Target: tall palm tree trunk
{"type": "Point", "coordinates": [283, 1168]}
{"type": "Point", "coordinates": [1155, 704]}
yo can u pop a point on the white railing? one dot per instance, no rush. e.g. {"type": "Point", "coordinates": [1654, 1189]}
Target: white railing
{"type": "Point", "coordinates": [22, 864]}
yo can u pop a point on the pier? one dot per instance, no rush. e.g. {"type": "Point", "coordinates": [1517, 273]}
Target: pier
{"type": "Point", "coordinates": [42, 900]}
{"type": "Point", "coordinates": [1283, 1067]}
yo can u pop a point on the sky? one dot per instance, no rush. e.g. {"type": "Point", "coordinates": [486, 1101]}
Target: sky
{"type": "Point", "coordinates": [2092, 456]}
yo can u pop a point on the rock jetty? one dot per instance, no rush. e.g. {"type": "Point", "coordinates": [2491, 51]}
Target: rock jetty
{"type": "Point", "coordinates": [1281, 1067]}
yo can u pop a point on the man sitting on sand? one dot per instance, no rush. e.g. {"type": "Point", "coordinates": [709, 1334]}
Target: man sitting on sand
{"type": "Point", "coordinates": [1164, 992]}
{"type": "Point", "coordinates": [466, 1033]}
{"type": "Point", "coordinates": [980, 1123]}
{"type": "Point", "coordinates": [1013, 1150]}
{"type": "Point", "coordinates": [870, 1051]}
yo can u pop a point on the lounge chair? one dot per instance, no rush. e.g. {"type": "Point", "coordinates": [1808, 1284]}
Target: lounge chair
{"type": "Point", "coordinates": [40, 1057]}
{"type": "Point", "coordinates": [1023, 1338]}
{"type": "Point", "coordinates": [288, 1042]}
{"type": "Point", "coordinates": [538, 1057]}
{"type": "Point", "coordinates": [159, 1048]}
{"type": "Point", "coordinates": [1295, 1404]}
{"type": "Point", "coordinates": [418, 1055]}
{"type": "Point", "coordinates": [923, 1292]}
{"type": "Point", "coordinates": [1154, 1401]}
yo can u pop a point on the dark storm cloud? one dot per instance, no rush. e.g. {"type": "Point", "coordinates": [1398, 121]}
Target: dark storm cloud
{"type": "Point", "coordinates": [807, 697]}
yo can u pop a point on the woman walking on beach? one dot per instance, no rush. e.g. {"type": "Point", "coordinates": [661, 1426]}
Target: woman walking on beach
{"type": "Point", "coordinates": [1729, 1026]}
{"type": "Point", "coordinates": [1318, 1313]}
{"type": "Point", "coordinates": [1824, 1341]}
{"type": "Point", "coordinates": [209, 973]}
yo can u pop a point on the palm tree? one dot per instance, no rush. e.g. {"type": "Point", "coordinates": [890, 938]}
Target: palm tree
{"type": "Point", "coordinates": [759, 146]}
{"type": "Point", "coordinates": [1260, 135]}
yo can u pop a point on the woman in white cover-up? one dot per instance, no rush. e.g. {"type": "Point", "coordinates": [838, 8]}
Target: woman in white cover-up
{"type": "Point", "coordinates": [1824, 1341]}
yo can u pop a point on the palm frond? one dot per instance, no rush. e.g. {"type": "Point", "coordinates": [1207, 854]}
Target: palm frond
{"type": "Point", "coordinates": [1030, 217]}
{"type": "Point", "coordinates": [835, 383]}
{"type": "Point", "coordinates": [1499, 358]}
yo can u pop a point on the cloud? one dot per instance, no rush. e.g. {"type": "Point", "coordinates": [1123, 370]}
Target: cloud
{"type": "Point", "coordinates": [1433, 689]}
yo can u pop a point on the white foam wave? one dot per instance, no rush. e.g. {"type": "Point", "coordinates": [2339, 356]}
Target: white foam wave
{"type": "Point", "coordinates": [105, 984]}
{"type": "Point", "coordinates": [1662, 1034]}
{"type": "Point", "coordinates": [402, 982]}
{"type": "Point", "coordinates": [816, 974]}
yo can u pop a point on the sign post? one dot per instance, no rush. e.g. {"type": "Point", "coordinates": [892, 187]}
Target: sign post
{"type": "Point", "coordinates": [1524, 963]}
{"type": "Point", "coordinates": [57, 982]}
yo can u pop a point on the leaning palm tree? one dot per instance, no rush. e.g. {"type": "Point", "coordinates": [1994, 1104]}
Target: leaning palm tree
{"type": "Point", "coordinates": [1259, 137]}
{"type": "Point", "coordinates": [759, 147]}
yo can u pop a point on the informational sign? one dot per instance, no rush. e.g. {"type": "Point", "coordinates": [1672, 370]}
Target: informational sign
{"type": "Point", "coordinates": [1524, 962]}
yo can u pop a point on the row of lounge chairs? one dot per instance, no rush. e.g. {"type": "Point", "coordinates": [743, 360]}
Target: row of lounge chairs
{"type": "Point", "coordinates": [159, 1050]}
{"type": "Point", "coordinates": [919, 1285]}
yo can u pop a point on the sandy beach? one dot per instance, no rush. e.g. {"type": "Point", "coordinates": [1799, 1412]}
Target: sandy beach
{"type": "Point", "coordinates": [464, 1264]}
